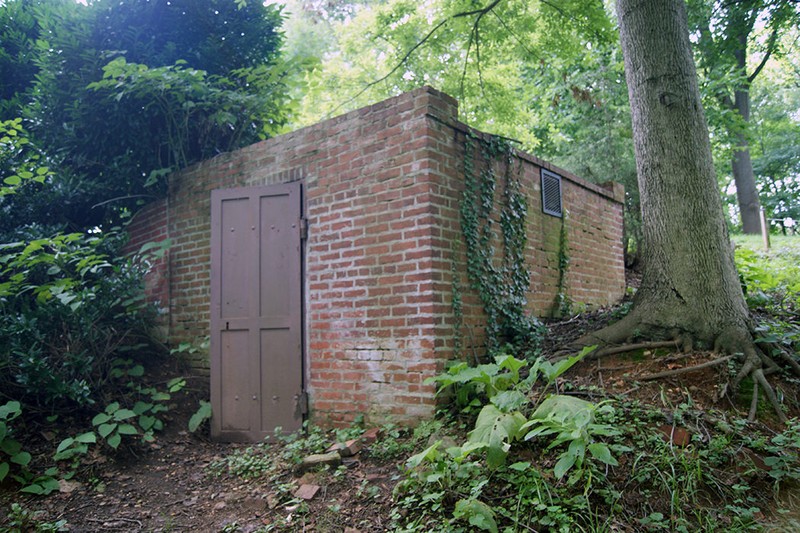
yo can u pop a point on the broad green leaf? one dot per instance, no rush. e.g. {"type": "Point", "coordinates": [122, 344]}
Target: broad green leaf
{"type": "Point", "coordinates": [562, 405]}
{"type": "Point", "coordinates": [114, 440]}
{"type": "Point", "coordinates": [33, 489]}
{"type": "Point", "coordinates": [66, 443]}
{"type": "Point", "coordinates": [142, 407]}
{"type": "Point", "coordinates": [100, 418]}
{"type": "Point", "coordinates": [127, 429]}
{"type": "Point", "coordinates": [176, 384]}
{"type": "Point", "coordinates": [4, 468]}
{"type": "Point", "coordinates": [10, 410]}
{"type": "Point", "coordinates": [106, 429]}
{"type": "Point", "coordinates": [10, 446]}
{"type": "Point", "coordinates": [521, 466]}
{"type": "Point", "coordinates": [203, 413]}
{"type": "Point", "coordinates": [477, 513]}
{"type": "Point", "coordinates": [3, 431]}
{"type": "Point", "coordinates": [147, 422]}
{"type": "Point", "coordinates": [123, 414]}
{"type": "Point", "coordinates": [497, 430]}
{"type": "Point", "coordinates": [601, 452]}
{"type": "Point", "coordinates": [21, 458]}
{"type": "Point", "coordinates": [428, 454]}
{"type": "Point", "coordinates": [563, 465]}
{"type": "Point", "coordinates": [510, 400]}
{"type": "Point", "coordinates": [509, 362]}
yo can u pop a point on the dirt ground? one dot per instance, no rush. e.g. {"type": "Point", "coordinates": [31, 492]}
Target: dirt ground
{"type": "Point", "coordinates": [169, 485]}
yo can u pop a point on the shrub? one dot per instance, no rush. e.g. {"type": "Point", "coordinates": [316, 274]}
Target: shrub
{"type": "Point", "coordinates": [69, 306]}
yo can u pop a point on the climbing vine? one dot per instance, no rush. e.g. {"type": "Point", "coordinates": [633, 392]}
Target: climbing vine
{"type": "Point", "coordinates": [562, 304]}
{"type": "Point", "coordinates": [502, 280]}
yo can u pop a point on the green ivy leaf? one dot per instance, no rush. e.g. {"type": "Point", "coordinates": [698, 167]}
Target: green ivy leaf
{"type": "Point", "coordinates": [4, 468]}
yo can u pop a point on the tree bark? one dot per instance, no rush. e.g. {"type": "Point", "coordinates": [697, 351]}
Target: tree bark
{"type": "Point", "coordinates": [742, 166]}
{"type": "Point", "coordinates": [690, 288]}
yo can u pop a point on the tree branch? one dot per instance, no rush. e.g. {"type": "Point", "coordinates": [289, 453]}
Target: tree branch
{"type": "Point", "coordinates": [771, 44]}
{"type": "Point", "coordinates": [480, 12]}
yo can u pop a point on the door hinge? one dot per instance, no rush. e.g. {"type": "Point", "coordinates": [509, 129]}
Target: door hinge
{"type": "Point", "coordinates": [302, 402]}
{"type": "Point", "coordinates": [303, 229]}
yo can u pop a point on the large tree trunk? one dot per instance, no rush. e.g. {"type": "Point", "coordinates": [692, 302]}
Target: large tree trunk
{"type": "Point", "coordinates": [690, 288]}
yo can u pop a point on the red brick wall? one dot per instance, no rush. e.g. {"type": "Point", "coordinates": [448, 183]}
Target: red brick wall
{"type": "Point", "coordinates": [150, 225]}
{"type": "Point", "coordinates": [383, 187]}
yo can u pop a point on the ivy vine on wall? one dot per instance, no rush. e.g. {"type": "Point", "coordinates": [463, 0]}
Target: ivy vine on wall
{"type": "Point", "coordinates": [500, 277]}
{"type": "Point", "coordinates": [562, 305]}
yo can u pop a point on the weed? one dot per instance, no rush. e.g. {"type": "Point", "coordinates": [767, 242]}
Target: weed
{"type": "Point", "coordinates": [21, 520]}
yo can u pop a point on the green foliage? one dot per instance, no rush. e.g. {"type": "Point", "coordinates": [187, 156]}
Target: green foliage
{"type": "Point", "coordinates": [11, 452]}
{"type": "Point", "coordinates": [572, 420]}
{"type": "Point", "coordinates": [400, 442]}
{"type": "Point", "coordinates": [111, 425]}
{"type": "Point", "coordinates": [197, 115]}
{"type": "Point", "coordinates": [501, 422]}
{"type": "Point", "coordinates": [19, 162]}
{"type": "Point", "coordinates": [784, 450]}
{"type": "Point", "coordinates": [69, 307]}
{"type": "Point", "coordinates": [21, 520]}
{"type": "Point", "coordinates": [201, 415]}
{"type": "Point", "coordinates": [770, 276]}
{"type": "Point", "coordinates": [191, 80]}
{"type": "Point", "coordinates": [562, 305]}
{"type": "Point", "coordinates": [18, 34]}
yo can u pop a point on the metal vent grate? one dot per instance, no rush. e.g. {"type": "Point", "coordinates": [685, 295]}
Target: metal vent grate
{"type": "Point", "coordinates": [551, 193]}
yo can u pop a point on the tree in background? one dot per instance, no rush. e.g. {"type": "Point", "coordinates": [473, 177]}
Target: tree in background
{"type": "Point", "coordinates": [735, 40]}
{"type": "Point", "coordinates": [125, 92]}
{"type": "Point", "coordinates": [18, 34]}
{"type": "Point", "coordinates": [775, 133]}
{"type": "Point", "coordinates": [548, 75]}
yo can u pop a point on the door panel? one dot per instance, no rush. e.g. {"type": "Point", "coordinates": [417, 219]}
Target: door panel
{"type": "Point", "coordinates": [236, 381]}
{"type": "Point", "coordinates": [256, 311]}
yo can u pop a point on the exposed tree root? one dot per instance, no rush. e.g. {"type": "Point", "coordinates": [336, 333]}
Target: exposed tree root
{"type": "Point", "coordinates": [734, 342]}
{"type": "Point", "coordinates": [625, 348]}
{"type": "Point", "coordinates": [685, 370]}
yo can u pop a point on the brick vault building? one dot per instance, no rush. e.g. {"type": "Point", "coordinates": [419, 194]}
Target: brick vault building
{"type": "Point", "coordinates": [321, 263]}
